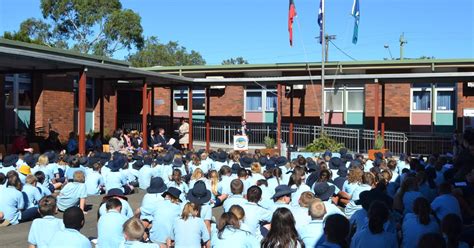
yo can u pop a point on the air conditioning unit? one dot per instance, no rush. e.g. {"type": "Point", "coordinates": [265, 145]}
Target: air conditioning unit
{"type": "Point", "coordinates": [295, 87]}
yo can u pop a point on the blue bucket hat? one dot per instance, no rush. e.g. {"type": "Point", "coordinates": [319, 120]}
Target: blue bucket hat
{"type": "Point", "coordinates": [246, 162]}
{"type": "Point", "coordinates": [168, 159]}
{"type": "Point", "coordinates": [281, 161]}
{"type": "Point", "coordinates": [270, 164]}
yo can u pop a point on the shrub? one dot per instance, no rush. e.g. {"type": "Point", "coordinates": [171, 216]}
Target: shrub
{"type": "Point", "coordinates": [323, 143]}
{"type": "Point", "coordinates": [269, 142]}
{"type": "Point", "coordinates": [379, 143]}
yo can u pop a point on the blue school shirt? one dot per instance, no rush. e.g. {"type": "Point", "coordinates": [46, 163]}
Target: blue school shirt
{"type": "Point", "coordinates": [164, 216]}
{"type": "Point", "coordinates": [70, 195]}
{"type": "Point", "coordinates": [110, 230]}
{"type": "Point", "coordinates": [138, 244]}
{"type": "Point", "coordinates": [413, 230]}
{"type": "Point", "coordinates": [33, 195]}
{"type": "Point", "coordinates": [114, 180]}
{"type": "Point", "coordinates": [223, 186]}
{"type": "Point", "coordinates": [11, 203]}
{"type": "Point", "coordinates": [327, 244]}
{"type": "Point", "coordinates": [189, 233]}
{"type": "Point", "coordinates": [131, 174]}
{"type": "Point", "coordinates": [300, 215]}
{"type": "Point", "coordinates": [144, 176]}
{"type": "Point", "coordinates": [365, 238]}
{"type": "Point", "coordinates": [254, 214]}
{"type": "Point", "coordinates": [183, 187]}
{"type": "Point", "coordinates": [94, 181]}
{"type": "Point", "coordinates": [148, 206]}
{"type": "Point", "coordinates": [48, 173]}
{"type": "Point", "coordinates": [408, 200]}
{"type": "Point", "coordinates": [5, 170]}
{"type": "Point", "coordinates": [234, 238]}
{"type": "Point", "coordinates": [349, 187]}
{"type": "Point", "coordinates": [352, 206]}
{"type": "Point", "coordinates": [312, 232]}
{"type": "Point", "coordinates": [44, 190]}
{"type": "Point", "coordinates": [444, 205]}
{"type": "Point", "coordinates": [206, 211]}
{"type": "Point", "coordinates": [69, 236]}
{"type": "Point", "coordinates": [127, 211]}
{"type": "Point", "coordinates": [234, 200]}
{"type": "Point", "coordinates": [43, 230]}
{"type": "Point", "coordinates": [295, 196]}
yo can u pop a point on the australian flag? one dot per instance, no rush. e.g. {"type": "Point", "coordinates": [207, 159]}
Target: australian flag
{"type": "Point", "coordinates": [320, 21]}
{"type": "Point", "coordinates": [356, 15]}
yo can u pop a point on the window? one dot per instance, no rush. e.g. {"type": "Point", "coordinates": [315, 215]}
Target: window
{"type": "Point", "coordinates": [90, 103]}
{"type": "Point", "coordinates": [180, 100]}
{"type": "Point", "coordinates": [444, 100]}
{"type": "Point", "coordinates": [18, 85]}
{"type": "Point", "coordinates": [421, 100]}
{"type": "Point", "coordinates": [333, 100]}
{"type": "Point", "coordinates": [271, 103]}
{"type": "Point", "coordinates": [24, 94]}
{"type": "Point", "coordinates": [253, 101]}
{"type": "Point", "coordinates": [9, 93]}
{"type": "Point", "coordinates": [355, 100]}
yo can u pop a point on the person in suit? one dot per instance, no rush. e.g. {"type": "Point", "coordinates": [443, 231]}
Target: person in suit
{"type": "Point", "coordinates": [161, 139]}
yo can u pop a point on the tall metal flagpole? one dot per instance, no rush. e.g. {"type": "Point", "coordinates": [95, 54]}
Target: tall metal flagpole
{"type": "Point", "coordinates": [323, 54]}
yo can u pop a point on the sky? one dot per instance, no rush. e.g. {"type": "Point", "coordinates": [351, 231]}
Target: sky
{"type": "Point", "coordinates": [258, 29]}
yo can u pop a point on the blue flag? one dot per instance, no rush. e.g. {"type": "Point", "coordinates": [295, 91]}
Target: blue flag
{"type": "Point", "coordinates": [320, 21]}
{"type": "Point", "coordinates": [356, 15]}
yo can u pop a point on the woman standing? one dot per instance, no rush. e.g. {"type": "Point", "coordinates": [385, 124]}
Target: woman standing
{"type": "Point", "coordinates": [282, 232]}
{"type": "Point", "coordinates": [184, 134]}
{"type": "Point", "coordinates": [116, 142]}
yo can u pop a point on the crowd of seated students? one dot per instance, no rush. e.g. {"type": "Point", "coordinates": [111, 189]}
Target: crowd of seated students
{"type": "Point", "coordinates": [336, 199]}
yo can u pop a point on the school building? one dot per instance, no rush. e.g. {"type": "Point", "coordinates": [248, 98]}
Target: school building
{"type": "Point", "coordinates": [45, 89]}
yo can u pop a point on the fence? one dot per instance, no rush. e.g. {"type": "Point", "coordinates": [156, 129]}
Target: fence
{"type": "Point", "coordinates": [356, 140]}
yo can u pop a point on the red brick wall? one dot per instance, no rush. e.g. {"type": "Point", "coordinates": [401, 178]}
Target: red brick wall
{"type": "Point", "coordinates": [55, 105]}
{"type": "Point", "coordinates": [306, 105]}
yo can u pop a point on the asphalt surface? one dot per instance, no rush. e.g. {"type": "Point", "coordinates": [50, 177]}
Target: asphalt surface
{"type": "Point", "coordinates": [17, 235]}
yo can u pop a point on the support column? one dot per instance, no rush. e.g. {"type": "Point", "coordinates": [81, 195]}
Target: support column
{"type": "Point", "coordinates": [152, 109]}
{"type": "Point", "coordinates": [116, 106]}
{"type": "Point", "coordinates": [101, 108]}
{"type": "Point", "coordinates": [145, 116]}
{"type": "Point", "coordinates": [82, 111]}
{"type": "Point", "coordinates": [291, 116]}
{"type": "Point", "coordinates": [190, 114]}
{"type": "Point", "coordinates": [2, 109]}
{"type": "Point", "coordinates": [171, 120]}
{"type": "Point", "coordinates": [279, 107]}
{"type": "Point", "coordinates": [382, 119]}
{"type": "Point", "coordinates": [376, 110]}
{"type": "Point", "coordinates": [208, 115]}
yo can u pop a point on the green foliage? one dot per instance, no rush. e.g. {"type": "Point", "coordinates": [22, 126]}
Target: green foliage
{"type": "Point", "coordinates": [379, 143]}
{"type": "Point", "coordinates": [235, 61]}
{"type": "Point", "coordinates": [269, 142]}
{"type": "Point", "coordinates": [171, 54]}
{"type": "Point", "coordinates": [99, 27]}
{"type": "Point", "coordinates": [323, 143]}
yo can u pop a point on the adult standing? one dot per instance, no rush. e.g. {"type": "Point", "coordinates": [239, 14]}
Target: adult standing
{"type": "Point", "coordinates": [184, 134]}
{"type": "Point", "coordinates": [116, 142]}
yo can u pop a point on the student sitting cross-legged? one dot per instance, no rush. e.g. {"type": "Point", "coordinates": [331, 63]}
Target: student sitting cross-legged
{"type": "Point", "coordinates": [42, 230]}
{"type": "Point", "coordinates": [74, 193]}
{"type": "Point", "coordinates": [73, 220]}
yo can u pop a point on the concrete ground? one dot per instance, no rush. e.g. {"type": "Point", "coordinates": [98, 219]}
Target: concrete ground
{"type": "Point", "coordinates": [17, 235]}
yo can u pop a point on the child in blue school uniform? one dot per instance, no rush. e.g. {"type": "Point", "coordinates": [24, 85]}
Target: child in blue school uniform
{"type": "Point", "coordinates": [189, 230]}
{"type": "Point", "coordinates": [200, 195]}
{"type": "Point", "coordinates": [74, 193]}
{"type": "Point", "coordinates": [115, 179]}
{"type": "Point", "coordinates": [43, 229]}
{"type": "Point", "coordinates": [126, 210]}
{"type": "Point", "coordinates": [73, 220]}
{"type": "Point", "coordinates": [177, 182]}
{"type": "Point", "coordinates": [40, 177]}
{"type": "Point", "coordinates": [94, 180]}
{"type": "Point", "coordinates": [74, 165]}
{"type": "Point", "coordinates": [164, 216]}
{"type": "Point", "coordinates": [146, 173]}
{"type": "Point", "coordinates": [33, 194]}
{"type": "Point", "coordinates": [133, 231]}
{"type": "Point", "coordinates": [336, 231]}
{"type": "Point", "coordinates": [109, 227]}
{"type": "Point", "coordinates": [152, 197]}
{"type": "Point", "coordinates": [12, 202]}
{"type": "Point", "coordinates": [230, 235]}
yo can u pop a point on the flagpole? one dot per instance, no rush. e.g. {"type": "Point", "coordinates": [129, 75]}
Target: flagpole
{"type": "Point", "coordinates": [323, 55]}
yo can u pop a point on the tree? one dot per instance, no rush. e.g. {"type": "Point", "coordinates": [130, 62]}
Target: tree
{"type": "Point", "coordinates": [99, 27]}
{"type": "Point", "coordinates": [236, 61]}
{"type": "Point", "coordinates": [171, 54]}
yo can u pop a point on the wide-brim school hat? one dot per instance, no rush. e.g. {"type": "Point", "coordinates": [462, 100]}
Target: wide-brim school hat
{"type": "Point", "coordinates": [324, 191]}
{"type": "Point", "coordinates": [235, 168]}
{"type": "Point", "coordinates": [199, 194]}
{"type": "Point", "coordinates": [115, 193]}
{"type": "Point", "coordinates": [24, 169]}
{"type": "Point", "coordinates": [174, 192]}
{"type": "Point", "coordinates": [335, 163]}
{"type": "Point", "coordinates": [246, 162]}
{"type": "Point", "coordinates": [117, 164]}
{"type": "Point", "coordinates": [282, 190]}
{"type": "Point", "coordinates": [10, 160]}
{"type": "Point", "coordinates": [222, 156]}
{"type": "Point", "coordinates": [281, 161]}
{"type": "Point", "coordinates": [177, 162]}
{"type": "Point", "coordinates": [168, 158]}
{"type": "Point", "coordinates": [157, 185]}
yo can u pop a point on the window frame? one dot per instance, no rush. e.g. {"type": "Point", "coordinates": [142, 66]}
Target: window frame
{"type": "Point", "coordinates": [447, 89]}
{"type": "Point", "coordinates": [332, 89]}
{"type": "Point", "coordinates": [185, 92]}
{"type": "Point", "coordinates": [420, 89]}
{"type": "Point", "coordinates": [346, 98]}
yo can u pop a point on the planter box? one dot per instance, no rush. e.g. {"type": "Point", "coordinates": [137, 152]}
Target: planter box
{"type": "Point", "coordinates": [372, 153]}
{"type": "Point", "coordinates": [270, 151]}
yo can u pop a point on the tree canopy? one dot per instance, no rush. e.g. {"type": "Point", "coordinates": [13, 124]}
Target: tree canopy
{"type": "Point", "coordinates": [170, 54]}
{"type": "Point", "coordinates": [235, 61]}
{"type": "Point", "coordinates": [99, 27]}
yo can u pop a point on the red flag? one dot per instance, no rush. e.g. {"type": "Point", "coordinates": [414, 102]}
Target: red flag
{"type": "Point", "coordinates": [291, 15]}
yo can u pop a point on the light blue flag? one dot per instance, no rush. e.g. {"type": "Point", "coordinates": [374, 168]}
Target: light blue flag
{"type": "Point", "coordinates": [356, 15]}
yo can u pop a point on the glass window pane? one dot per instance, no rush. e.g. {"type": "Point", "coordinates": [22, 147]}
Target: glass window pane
{"type": "Point", "coordinates": [355, 100]}
{"type": "Point", "coordinates": [271, 104]}
{"type": "Point", "coordinates": [445, 100]}
{"type": "Point", "coordinates": [198, 104]}
{"type": "Point", "coordinates": [254, 101]}
{"type": "Point", "coordinates": [334, 100]}
{"type": "Point", "coordinates": [421, 100]}
{"type": "Point", "coordinates": [24, 95]}
{"type": "Point", "coordinates": [180, 102]}
{"type": "Point", "coordinates": [9, 93]}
